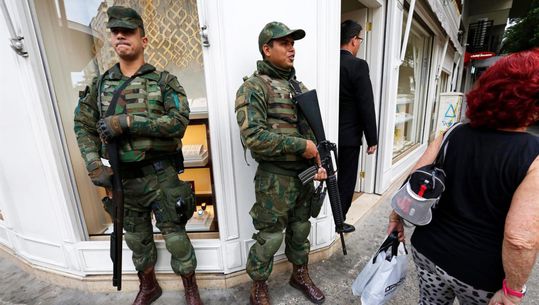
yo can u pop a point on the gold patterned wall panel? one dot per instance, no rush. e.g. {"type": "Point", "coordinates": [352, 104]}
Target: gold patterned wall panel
{"type": "Point", "coordinates": [172, 29]}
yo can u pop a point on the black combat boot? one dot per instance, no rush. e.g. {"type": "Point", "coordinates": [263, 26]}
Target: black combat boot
{"type": "Point", "coordinates": [259, 293]}
{"type": "Point", "coordinates": [301, 280]}
{"type": "Point", "coordinates": [149, 289]}
{"type": "Point", "coordinates": [191, 289]}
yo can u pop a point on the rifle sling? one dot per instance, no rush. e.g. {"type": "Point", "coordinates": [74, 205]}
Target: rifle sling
{"type": "Point", "coordinates": [116, 95]}
{"type": "Point", "coordinates": [295, 86]}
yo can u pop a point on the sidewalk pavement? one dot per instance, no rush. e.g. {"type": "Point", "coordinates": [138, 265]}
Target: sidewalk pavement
{"type": "Point", "coordinates": [334, 276]}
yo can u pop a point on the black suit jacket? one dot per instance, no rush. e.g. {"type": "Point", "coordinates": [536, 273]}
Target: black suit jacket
{"type": "Point", "coordinates": [356, 103]}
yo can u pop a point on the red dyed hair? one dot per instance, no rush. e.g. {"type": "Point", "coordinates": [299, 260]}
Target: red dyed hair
{"type": "Point", "coordinates": [507, 95]}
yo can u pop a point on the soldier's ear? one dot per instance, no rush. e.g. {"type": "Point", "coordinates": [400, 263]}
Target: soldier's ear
{"type": "Point", "coordinates": [267, 50]}
{"type": "Point", "coordinates": [144, 42]}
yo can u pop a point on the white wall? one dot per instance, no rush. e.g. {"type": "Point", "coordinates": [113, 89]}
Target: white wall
{"type": "Point", "coordinates": [40, 222]}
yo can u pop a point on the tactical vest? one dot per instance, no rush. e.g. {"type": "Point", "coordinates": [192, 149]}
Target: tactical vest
{"type": "Point", "coordinates": [282, 112]}
{"type": "Point", "coordinates": [144, 98]}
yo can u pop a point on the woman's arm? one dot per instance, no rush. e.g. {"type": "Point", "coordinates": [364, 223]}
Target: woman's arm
{"type": "Point", "coordinates": [430, 154]}
{"type": "Point", "coordinates": [521, 236]}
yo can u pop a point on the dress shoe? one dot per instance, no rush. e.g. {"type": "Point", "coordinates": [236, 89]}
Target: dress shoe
{"type": "Point", "coordinates": [348, 228]}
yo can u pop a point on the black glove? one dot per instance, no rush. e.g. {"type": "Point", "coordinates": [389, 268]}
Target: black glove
{"type": "Point", "coordinates": [112, 126]}
{"type": "Point", "coordinates": [100, 174]}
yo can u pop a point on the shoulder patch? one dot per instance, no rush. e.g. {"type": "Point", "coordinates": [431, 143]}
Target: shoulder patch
{"type": "Point", "coordinates": [240, 117]}
{"type": "Point", "coordinates": [174, 84]}
{"type": "Point", "coordinates": [241, 101]}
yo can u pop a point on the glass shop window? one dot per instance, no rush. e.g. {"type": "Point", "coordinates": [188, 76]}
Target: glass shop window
{"type": "Point", "coordinates": [76, 44]}
{"type": "Point", "coordinates": [412, 91]}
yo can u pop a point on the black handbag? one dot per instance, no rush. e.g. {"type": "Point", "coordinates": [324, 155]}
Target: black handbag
{"type": "Point", "coordinates": [423, 188]}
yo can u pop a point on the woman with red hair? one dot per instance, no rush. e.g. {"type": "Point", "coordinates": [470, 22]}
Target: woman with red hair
{"type": "Point", "coordinates": [483, 240]}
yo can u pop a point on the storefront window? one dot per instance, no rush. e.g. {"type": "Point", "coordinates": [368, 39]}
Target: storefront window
{"type": "Point", "coordinates": [77, 48]}
{"type": "Point", "coordinates": [411, 92]}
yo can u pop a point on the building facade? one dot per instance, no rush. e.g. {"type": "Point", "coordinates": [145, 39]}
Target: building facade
{"type": "Point", "coordinates": [50, 213]}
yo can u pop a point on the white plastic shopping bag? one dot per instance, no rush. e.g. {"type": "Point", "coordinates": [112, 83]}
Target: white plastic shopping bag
{"type": "Point", "coordinates": [384, 274]}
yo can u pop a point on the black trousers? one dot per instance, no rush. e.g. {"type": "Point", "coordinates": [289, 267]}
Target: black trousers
{"type": "Point", "coordinates": [347, 175]}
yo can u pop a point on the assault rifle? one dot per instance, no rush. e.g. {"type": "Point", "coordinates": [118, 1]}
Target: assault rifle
{"type": "Point", "coordinates": [308, 105]}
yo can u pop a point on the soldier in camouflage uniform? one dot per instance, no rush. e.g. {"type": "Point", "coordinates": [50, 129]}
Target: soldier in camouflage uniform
{"type": "Point", "coordinates": [149, 121]}
{"type": "Point", "coordinates": [282, 143]}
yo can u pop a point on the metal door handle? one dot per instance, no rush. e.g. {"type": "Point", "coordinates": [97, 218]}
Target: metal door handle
{"type": "Point", "coordinates": [204, 36]}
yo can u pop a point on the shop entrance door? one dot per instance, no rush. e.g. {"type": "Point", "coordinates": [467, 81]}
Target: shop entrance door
{"type": "Point", "coordinates": [354, 10]}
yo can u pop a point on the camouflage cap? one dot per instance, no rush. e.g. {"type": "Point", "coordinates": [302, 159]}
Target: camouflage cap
{"type": "Point", "coordinates": [274, 30]}
{"type": "Point", "coordinates": [124, 17]}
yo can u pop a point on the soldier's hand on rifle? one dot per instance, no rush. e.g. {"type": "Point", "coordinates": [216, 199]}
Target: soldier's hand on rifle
{"type": "Point", "coordinates": [311, 151]}
{"type": "Point", "coordinates": [113, 126]}
{"type": "Point", "coordinates": [100, 174]}
{"type": "Point", "coordinates": [321, 174]}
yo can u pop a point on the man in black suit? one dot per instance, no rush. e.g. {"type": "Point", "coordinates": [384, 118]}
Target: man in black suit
{"type": "Point", "coordinates": [356, 113]}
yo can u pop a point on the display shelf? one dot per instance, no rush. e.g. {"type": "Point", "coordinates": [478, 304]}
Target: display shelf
{"type": "Point", "coordinates": [402, 117]}
{"type": "Point", "coordinates": [195, 155]}
{"type": "Point", "coordinates": [201, 222]}
{"type": "Point", "coordinates": [403, 99]}
{"type": "Point", "coordinates": [198, 115]}
{"type": "Point", "coordinates": [196, 163]}
{"type": "Point", "coordinates": [198, 108]}
{"type": "Point", "coordinates": [402, 147]}
{"type": "Point", "coordinates": [198, 166]}
{"type": "Point", "coordinates": [199, 104]}
{"type": "Point", "coordinates": [195, 145]}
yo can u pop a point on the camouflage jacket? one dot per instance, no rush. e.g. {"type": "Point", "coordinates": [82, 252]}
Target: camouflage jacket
{"type": "Point", "coordinates": [270, 125]}
{"type": "Point", "coordinates": [160, 115]}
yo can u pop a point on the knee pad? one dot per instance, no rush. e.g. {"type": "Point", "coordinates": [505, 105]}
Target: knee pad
{"type": "Point", "coordinates": [300, 231]}
{"type": "Point", "coordinates": [270, 242]}
{"type": "Point", "coordinates": [178, 244]}
{"type": "Point", "coordinates": [143, 247]}
{"type": "Point", "coordinates": [139, 242]}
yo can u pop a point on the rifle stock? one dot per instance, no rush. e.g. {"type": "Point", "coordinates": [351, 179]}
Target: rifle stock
{"type": "Point", "coordinates": [117, 216]}
{"type": "Point", "coordinates": [308, 105]}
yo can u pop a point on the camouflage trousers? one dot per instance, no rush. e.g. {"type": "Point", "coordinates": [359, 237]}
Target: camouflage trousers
{"type": "Point", "coordinates": [157, 192]}
{"type": "Point", "coordinates": [282, 202]}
